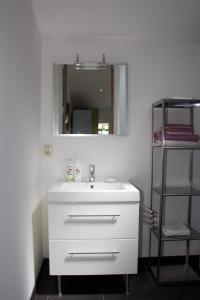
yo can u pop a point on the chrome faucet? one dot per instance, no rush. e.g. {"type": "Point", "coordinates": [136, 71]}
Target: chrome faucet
{"type": "Point", "coordinates": [91, 173]}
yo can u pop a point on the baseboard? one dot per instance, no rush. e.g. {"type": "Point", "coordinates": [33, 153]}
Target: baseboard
{"type": "Point", "coordinates": [33, 295]}
{"type": "Point", "coordinates": [34, 292]}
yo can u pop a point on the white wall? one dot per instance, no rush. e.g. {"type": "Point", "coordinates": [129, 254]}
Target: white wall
{"type": "Point", "coordinates": [20, 80]}
{"type": "Point", "coordinates": [155, 70]}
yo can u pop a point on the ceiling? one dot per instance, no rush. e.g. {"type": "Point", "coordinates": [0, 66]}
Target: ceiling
{"type": "Point", "coordinates": [119, 19]}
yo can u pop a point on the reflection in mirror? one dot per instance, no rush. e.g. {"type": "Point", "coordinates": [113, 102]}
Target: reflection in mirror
{"type": "Point", "coordinates": [90, 101]}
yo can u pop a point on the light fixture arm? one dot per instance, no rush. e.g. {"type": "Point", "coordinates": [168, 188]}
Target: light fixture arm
{"type": "Point", "coordinates": [77, 58]}
{"type": "Point", "coordinates": [103, 58]}
{"type": "Point", "coordinates": [90, 65]}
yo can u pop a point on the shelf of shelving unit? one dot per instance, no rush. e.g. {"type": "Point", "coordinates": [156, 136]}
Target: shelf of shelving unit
{"type": "Point", "coordinates": [177, 191]}
{"type": "Point", "coordinates": [174, 273]}
{"type": "Point", "coordinates": [177, 147]}
{"type": "Point", "coordinates": [195, 235]}
{"type": "Point", "coordinates": [177, 103]}
{"type": "Point", "coordinates": [177, 273]}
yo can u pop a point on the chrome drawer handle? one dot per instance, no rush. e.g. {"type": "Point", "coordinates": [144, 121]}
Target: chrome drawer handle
{"type": "Point", "coordinates": [92, 215]}
{"type": "Point", "coordinates": [95, 253]}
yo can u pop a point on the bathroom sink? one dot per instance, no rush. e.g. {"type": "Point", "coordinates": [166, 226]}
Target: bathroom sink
{"type": "Point", "coordinates": [93, 191]}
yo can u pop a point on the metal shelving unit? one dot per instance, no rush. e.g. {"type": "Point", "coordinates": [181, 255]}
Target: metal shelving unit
{"type": "Point", "coordinates": [184, 272]}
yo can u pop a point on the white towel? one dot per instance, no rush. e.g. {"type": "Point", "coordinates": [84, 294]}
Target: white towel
{"type": "Point", "coordinates": [176, 229]}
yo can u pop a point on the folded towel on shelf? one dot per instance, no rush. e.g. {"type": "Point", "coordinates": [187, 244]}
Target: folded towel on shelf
{"type": "Point", "coordinates": [177, 132]}
{"type": "Point", "coordinates": [179, 127]}
{"type": "Point", "coordinates": [176, 229]}
{"type": "Point", "coordinates": [176, 137]}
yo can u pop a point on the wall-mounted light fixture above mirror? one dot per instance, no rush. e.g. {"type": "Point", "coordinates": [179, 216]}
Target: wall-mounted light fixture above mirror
{"type": "Point", "coordinates": [90, 65]}
{"type": "Point", "coordinates": [90, 98]}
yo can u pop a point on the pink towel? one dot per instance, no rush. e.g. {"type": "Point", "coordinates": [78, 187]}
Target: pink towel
{"type": "Point", "coordinates": [177, 132]}
{"type": "Point", "coordinates": [179, 125]}
{"type": "Point", "coordinates": [179, 128]}
{"type": "Point", "coordinates": [176, 137]}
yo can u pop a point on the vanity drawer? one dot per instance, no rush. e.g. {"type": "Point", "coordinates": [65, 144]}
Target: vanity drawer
{"type": "Point", "coordinates": [98, 221]}
{"type": "Point", "coordinates": [93, 257]}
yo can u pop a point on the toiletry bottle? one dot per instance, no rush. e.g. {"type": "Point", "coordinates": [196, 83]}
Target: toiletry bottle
{"type": "Point", "coordinates": [69, 171]}
{"type": "Point", "coordinates": [77, 170]}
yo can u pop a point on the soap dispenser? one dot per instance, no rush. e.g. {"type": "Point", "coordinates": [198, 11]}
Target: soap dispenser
{"type": "Point", "coordinates": [77, 170]}
{"type": "Point", "coordinates": [69, 171]}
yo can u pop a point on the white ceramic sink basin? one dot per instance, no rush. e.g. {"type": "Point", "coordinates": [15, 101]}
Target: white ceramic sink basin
{"type": "Point", "coordinates": [93, 186]}
{"type": "Point", "coordinates": [93, 192]}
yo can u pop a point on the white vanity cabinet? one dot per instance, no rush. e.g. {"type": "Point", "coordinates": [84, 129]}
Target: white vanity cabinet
{"type": "Point", "coordinates": [93, 237]}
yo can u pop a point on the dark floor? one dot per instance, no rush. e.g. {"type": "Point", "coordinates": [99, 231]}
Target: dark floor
{"type": "Point", "coordinates": [142, 287]}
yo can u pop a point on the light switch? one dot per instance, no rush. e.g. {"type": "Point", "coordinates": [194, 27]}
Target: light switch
{"type": "Point", "coordinates": [48, 150]}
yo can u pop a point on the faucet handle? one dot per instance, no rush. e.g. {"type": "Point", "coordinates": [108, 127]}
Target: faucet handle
{"type": "Point", "coordinates": [91, 173]}
{"type": "Point", "coordinates": [91, 168]}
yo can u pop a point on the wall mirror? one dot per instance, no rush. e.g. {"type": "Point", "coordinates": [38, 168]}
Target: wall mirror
{"type": "Point", "coordinates": [90, 101]}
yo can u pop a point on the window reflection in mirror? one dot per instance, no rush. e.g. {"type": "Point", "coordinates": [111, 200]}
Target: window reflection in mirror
{"type": "Point", "coordinates": [90, 101]}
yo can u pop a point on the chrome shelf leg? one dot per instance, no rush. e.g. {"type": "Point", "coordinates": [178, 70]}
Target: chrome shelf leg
{"type": "Point", "coordinates": [59, 286]}
{"type": "Point", "coordinates": [127, 285]}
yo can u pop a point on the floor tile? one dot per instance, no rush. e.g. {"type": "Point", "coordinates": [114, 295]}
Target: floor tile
{"type": "Point", "coordinates": [43, 283]}
{"type": "Point", "coordinates": [113, 284]}
{"type": "Point", "coordinates": [182, 298]}
{"type": "Point", "coordinates": [53, 290]}
{"type": "Point", "coordinates": [37, 297]}
{"type": "Point", "coordinates": [124, 297]}
{"type": "Point", "coordinates": [117, 297]}
{"type": "Point", "coordinates": [143, 287]}
{"type": "Point", "coordinates": [77, 285]}
{"type": "Point", "coordinates": [179, 292]}
{"type": "Point", "coordinates": [76, 297]}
